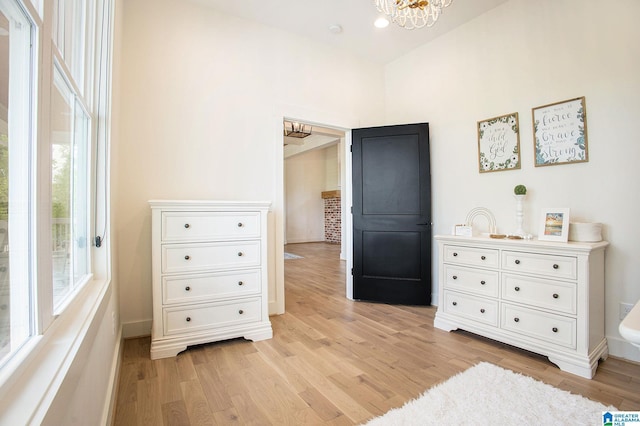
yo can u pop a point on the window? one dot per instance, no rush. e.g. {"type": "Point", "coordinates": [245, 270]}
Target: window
{"type": "Point", "coordinates": [16, 307]}
{"type": "Point", "coordinates": [70, 141]}
{"type": "Point", "coordinates": [51, 122]}
{"type": "Point", "coordinates": [70, 31]}
{"type": "Point", "coordinates": [69, 163]}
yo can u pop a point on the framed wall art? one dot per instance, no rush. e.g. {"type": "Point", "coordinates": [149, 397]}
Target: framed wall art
{"type": "Point", "coordinates": [560, 133]}
{"type": "Point", "coordinates": [554, 224]}
{"type": "Point", "coordinates": [499, 143]}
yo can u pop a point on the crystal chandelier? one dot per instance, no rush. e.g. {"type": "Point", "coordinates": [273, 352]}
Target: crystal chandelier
{"type": "Point", "coordinates": [412, 14]}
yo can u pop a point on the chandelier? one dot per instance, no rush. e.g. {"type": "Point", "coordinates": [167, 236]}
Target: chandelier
{"type": "Point", "coordinates": [296, 130]}
{"type": "Point", "coordinates": [412, 14]}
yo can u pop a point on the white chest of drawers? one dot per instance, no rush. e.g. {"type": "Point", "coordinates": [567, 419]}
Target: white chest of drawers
{"type": "Point", "coordinates": [545, 297]}
{"type": "Point", "coordinates": [209, 273]}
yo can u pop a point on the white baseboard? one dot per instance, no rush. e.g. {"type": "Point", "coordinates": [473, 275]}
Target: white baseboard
{"type": "Point", "coordinates": [136, 329]}
{"type": "Point", "coordinates": [620, 348]}
{"type": "Point", "coordinates": [108, 413]}
{"type": "Point", "coordinates": [305, 240]}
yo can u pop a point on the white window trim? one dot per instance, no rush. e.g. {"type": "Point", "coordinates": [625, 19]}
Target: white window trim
{"type": "Point", "coordinates": [32, 379]}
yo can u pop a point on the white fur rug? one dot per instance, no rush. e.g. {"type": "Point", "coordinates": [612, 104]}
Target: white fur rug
{"type": "Point", "coordinates": [489, 395]}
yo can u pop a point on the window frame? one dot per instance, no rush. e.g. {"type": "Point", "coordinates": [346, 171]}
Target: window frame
{"type": "Point", "coordinates": [21, 127]}
{"type": "Point", "coordinates": [36, 364]}
{"type": "Point", "coordinates": [33, 378]}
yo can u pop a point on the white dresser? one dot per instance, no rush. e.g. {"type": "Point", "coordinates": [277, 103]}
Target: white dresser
{"type": "Point", "coordinates": [209, 265]}
{"type": "Point", "coordinates": [545, 297]}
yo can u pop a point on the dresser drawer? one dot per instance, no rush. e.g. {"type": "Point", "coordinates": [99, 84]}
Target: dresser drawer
{"type": "Point", "coordinates": [473, 256]}
{"type": "Point", "coordinates": [565, 267]}
{"type": "Point", "coordinates": [202, 317]}
{"type": "Point", "coordinates": [555, 295]}
{"type": "Point", "coordinates": [205, 287]}
{"type": "Point", "coordinates": [207, 226]}
{"type": "Point", "coordinates": [539, 325]}
{"type": "Point", "coordinates": [478, 281]}
{"type": "Point", "coordinates": [475, 308]}
{"type": "Point", "coordinates": [177, 258]}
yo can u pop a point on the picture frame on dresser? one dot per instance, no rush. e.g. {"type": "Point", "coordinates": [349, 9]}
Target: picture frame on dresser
{"type": "Point", "coordinates": [554, 224]}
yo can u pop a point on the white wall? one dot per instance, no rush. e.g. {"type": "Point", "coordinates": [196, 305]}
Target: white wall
{"type": "Point", "coordinates": [202, 95]}
{"type": "Point", "coordinates": [521, 55]}
{"type": "Point", "coordinates": [201, 102]}
{"type": "Point", "coordinates": [305, 178]}
{"type": "Point", "coordinates": [332, 168]}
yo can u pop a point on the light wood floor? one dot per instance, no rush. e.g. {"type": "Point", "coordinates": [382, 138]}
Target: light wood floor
{"type": "Point", "coordinates": [331, 361]}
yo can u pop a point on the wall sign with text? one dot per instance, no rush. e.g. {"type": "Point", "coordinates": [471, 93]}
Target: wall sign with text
{"type": "Point", "coordinates": [499, 143]}
{"type": "Point", "coordinates": [560, 133]}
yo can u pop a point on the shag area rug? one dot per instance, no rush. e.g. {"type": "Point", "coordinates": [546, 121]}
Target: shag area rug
{"type": "Point", "coordinates": [291, 256]}
{"type": "Point", "coordinates": [489, 395]}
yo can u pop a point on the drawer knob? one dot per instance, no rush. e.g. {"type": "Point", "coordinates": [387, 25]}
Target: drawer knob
{"type": "Point", "coordinates": [556, 295]}
{"type": "Point", "coordinates": [483, 257]}
{"type": "Point", "coordinates": [455, 254]}
{"type": "Point", "coordinates": [187, 257]}
{"type": "Point", "coordinates": [240, 224]}
{"type": "Point", "coordinates": [554, 329]}
{"type": "Point", "coordinates": [556, 266]}
{"type": "Point", "coordinates": [188, 319]}
{"type": "Point", "coordinates": [516, 319]}
{"type": "Point", "coordinates": [517, 288]}
{"type": "Point", "coordinates": [482, 311]}
{"type": "Point", "coordinates": [455, 303]}
{"type": "Point", "coordinates": [483, 282]}
{"type": "Point", "coordinates": [240, 283]}
{"type": "Point", "coordinates": [241, 312]}
{"type": "Point", "coordinates": [187, 288]}
{"type": "Point", "coordinates": [187, 226]}
{"type": "Point", "coordinates": [240, 254]}
{"type": "Point", "coordinates": [517, 262]}
{"type": "Point", "coordinates": [455, 277]}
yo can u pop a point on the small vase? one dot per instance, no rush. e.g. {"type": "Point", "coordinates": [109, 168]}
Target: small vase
{"type": "Point", "coordinates": [520, 214]}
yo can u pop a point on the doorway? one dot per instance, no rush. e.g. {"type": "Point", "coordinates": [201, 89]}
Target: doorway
{"type": "Point", "coordinates": [313, 178]}
{"type": "Point", "coordinates": [338, 124]}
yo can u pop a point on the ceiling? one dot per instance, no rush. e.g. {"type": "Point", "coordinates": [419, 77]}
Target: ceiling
{"type": "Point", "coordinates": [312, 19]}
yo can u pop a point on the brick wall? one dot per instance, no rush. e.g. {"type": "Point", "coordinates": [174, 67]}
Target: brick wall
{"type": "Point", "coordinates": [332, 220]}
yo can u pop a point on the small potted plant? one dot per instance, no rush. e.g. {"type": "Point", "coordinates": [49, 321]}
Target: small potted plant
{"type": "Point", "coordinates": [520, 192]}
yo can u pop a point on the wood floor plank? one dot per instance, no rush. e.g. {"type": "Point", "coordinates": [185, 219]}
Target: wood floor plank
{"type": "Point", "coordinates": [184, 366]}
{"type": "Point", "coordinates": [321, 405]}
{"type": "Point", "coordinates": [168, 381]}
{"type": "Point", "coordinates": [149, 408]}
{"type": "Point", "coordinates": [196, 403]}
{"type": "Point", "coordinates": [175, 414]}
{"type": "Point", "coordinates": [345, 403]}
{"type": "Point", "coordinates": [273, 397]}
{"type": "Point", "coordinates": [331, 361]}
{"type": "Point", "coordinates": [216, 395]}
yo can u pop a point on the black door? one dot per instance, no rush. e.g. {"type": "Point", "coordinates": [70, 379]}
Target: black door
{"type": "Point", "coordinates": [392, 214]}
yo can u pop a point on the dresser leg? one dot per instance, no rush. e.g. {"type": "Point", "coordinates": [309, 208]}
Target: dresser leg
{"type": "Point", "coordinates": [583, 366]}
{"type": "Point", "coordinates": [257, 335]}
{"type": "Point", "coordinates": [443, 324]}
{"type": "Point", "coordinates": [159, 351]}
